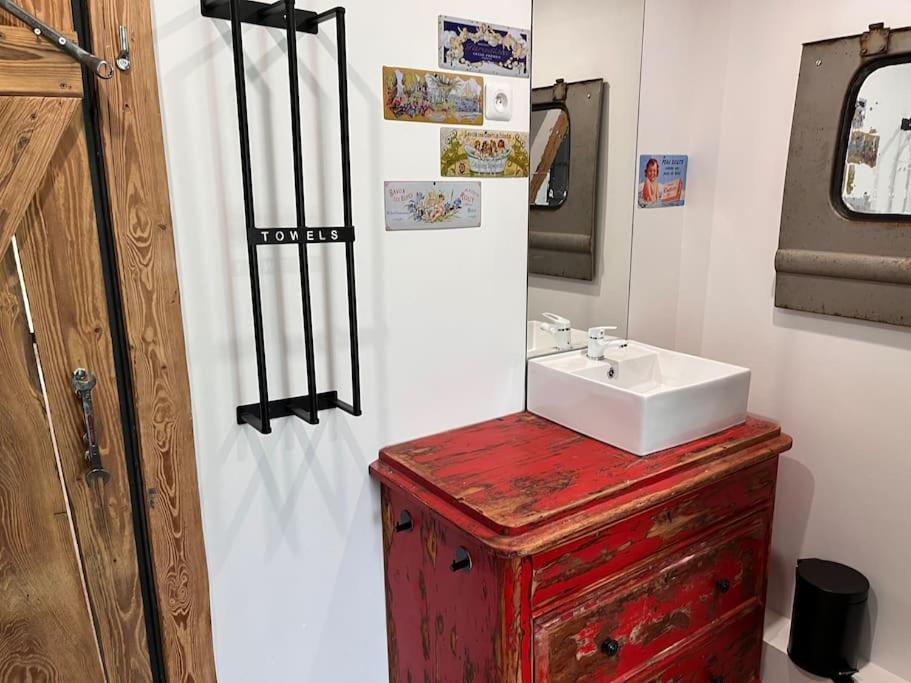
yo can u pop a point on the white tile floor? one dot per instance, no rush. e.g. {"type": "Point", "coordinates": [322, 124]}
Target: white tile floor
{"type": "Point", "coordinates": [777, 668]}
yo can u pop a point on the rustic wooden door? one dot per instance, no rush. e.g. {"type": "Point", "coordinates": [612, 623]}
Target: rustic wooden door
{"type": "Point", "coordinates": [71, 599]}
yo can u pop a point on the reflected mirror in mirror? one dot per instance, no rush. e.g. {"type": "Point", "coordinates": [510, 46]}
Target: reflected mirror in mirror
{"type": "Point", "coordinates": [549, 182]}
{"type": "Point", "coordinates": [582, 182]}
{"type": "Point", "coordinates": [877, 169]}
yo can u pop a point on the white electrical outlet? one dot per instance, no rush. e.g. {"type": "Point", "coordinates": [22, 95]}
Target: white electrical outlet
{"type": "Point", "coordinates": [497, 101]}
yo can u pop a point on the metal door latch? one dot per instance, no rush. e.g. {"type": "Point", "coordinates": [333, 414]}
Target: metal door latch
{"type": "Point", "coordinates": [124, 61]}
{"type": "Point", "coordinates": [83, 384]}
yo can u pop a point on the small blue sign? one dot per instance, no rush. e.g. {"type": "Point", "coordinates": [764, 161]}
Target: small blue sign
{"type": "Point", "coordinates": [662, 180]}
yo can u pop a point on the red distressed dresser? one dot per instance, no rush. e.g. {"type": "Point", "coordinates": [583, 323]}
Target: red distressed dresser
{"type": "Point", "coordinates": [517, 550]}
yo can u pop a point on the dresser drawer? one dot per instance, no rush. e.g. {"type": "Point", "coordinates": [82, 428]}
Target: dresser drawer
{"type": "Point", "coordinates": [610, 633]}
{"type": "Point", "coordinates": [731, 654]}
{"type": "Point", "coordinates": [573, 566]}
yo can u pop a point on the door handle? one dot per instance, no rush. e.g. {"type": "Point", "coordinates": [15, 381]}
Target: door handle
{"type": "Point", "coordinates": [84, 382]}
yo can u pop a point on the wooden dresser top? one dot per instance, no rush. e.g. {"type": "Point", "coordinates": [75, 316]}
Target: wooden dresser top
{"type": "Point", "coordinates": [521, 472]}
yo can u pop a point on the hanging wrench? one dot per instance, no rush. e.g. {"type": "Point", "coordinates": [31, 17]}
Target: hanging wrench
{"type": "Point", "coordinates": [83, 384]}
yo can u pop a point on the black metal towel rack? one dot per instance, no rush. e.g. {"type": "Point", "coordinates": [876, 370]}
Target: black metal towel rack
{"type": "Point", "coordinates": [284, 15]}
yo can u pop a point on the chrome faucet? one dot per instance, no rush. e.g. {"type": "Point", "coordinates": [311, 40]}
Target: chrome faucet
{"type": "Point", "coordinates": [560, 329]}
{"type": "Point", "coordinates": [597, 342]}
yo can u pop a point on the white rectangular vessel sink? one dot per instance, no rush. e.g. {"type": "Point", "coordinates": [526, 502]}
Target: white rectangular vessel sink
{"type": "Point", "coordinates": [640, 398]}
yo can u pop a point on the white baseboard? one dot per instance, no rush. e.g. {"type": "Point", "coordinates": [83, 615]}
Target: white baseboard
{"type": "Point", "coordinates": [778, 668]}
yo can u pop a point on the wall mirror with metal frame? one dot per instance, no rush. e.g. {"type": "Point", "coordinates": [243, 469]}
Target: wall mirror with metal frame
{"type": "Point", "coordinates": [845, 240]}
{"type": "Point", "coordinates": [586, 68]}
{"type": "Point", "coordinates": [563, 185]}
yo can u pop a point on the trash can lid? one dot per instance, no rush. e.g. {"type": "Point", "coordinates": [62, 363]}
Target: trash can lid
{"type": "Point", "coordinates": [834, 578]}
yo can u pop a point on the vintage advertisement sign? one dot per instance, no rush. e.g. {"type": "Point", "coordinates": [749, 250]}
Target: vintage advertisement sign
{"type": "Point", "coordinates": [467, 45]}
{"type": "Point", "coordinates": [429, 205]}
{"type": "Point", "coordinates": [863, 148]}
{"type": "Point", "coordinates": [432, 96]}
{"type": "Point", "coordinates": [483, 153]}
{"type": "Point", "coordinates": [662, 180]}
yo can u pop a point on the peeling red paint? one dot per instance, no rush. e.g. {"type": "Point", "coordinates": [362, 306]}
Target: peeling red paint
{"type": "Point", "coordinates": [445, 623]}
{"type": "Point", "coordinates": [543, 470]}
{"type": "Point", "coordinates": [585, 640]}
{"type": "Point", "coordinates": [573, 543]}
{"type": "Point", "coordinates": [575, 565]}
{"type": "Point", "coordinates": [656, 607]}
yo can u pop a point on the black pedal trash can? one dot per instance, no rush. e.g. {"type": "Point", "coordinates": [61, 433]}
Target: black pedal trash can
{"type": "Point", "coordinates": [829, 603]}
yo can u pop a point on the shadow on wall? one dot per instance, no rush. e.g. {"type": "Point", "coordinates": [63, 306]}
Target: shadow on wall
{"type": "Point", "coordinates": [796, 483]}
{"type": "Point", "coordinates": [794, 499]}
{"type": "Point", "coordinates": [843, 328]}
{"type": "Point", "coordinates": [353, 586]}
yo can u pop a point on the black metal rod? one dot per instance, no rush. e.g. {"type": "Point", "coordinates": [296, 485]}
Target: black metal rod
{"type": "Point", "coordinates": [326, 16]}
{"type": "Point", "coordinates": [247, 175]}
{"type": "Point", "coordinates": [259, 13]}
{"type": "Point", "coordinates": [292, 20]}
{"type": "Point", "coordinates": [275, 7]}
{"type": "Point", "coordinates": [297, 144]}
{"type": "Point", "coordinates": [346, 191]}
{"type": "Point", "coordinates": [286, 407]}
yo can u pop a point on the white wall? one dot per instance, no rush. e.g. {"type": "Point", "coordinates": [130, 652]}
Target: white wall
{"type": "Point", "coordinates": [840, 387]}
{"type": "Point", "coordinates": [291, 520]}
{"type": "Point", "coordinates": [577, 41]}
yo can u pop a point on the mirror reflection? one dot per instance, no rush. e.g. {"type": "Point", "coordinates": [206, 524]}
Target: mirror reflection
{"type": "Point", "coordinates": [877, 173]}
{"type": "Point", "coordinates": [582, 185]}
{"type": "Point", "coordinates": [549, 181]}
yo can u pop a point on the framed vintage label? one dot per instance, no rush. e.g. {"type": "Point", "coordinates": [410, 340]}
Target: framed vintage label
{"type": "Point", "coordinates": [432, 96]}
{"type": "Point", "coordinates": [483, 153]}
{"type": "Point", "coordinates": [431, 205]}
{"type": "Point", "coordinates": [662, 181]}
{"type": "Point", "coordinates": [467, 45]}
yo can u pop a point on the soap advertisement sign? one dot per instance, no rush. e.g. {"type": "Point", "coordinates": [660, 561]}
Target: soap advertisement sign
{"type": "Point", "coordinates": [486, 153]}
{"type": "Point", "coordinates": [428, 205]}
{"type": "Point", "coordinates": [432, 96]}
{"type": "Point", "coordinates": [467, 45]}
{"type": "Point", "coordinates": [662, 181]}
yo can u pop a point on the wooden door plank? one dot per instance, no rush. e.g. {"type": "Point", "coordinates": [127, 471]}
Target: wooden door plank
{"type": "Point", "coordinates": [46, 631]}
{"type": "Point", "coordinates": [135, 161]}
{"type": "Point", "coordinates": [60, 255]}
{"type": "Point", "coordinates": [56, 14]}
{"type": "Point", "coordinates": [134, 157]}
{"type": "Point", "coordinates": [30, 65]}
{"type": "Point", "coordinates": [30, 131]}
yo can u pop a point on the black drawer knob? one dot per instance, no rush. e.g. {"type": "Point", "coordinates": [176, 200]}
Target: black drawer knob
{"type": "Point", "coordinates": [462, 561]}
{"type": "Point", "coordinates": [610, 647]}
{"type": "Point", "coordinates": [405, 523]}
{"type": "Point", "coordinates": [723, 586]}
{"type": "Point", "coordinates": [716, 679]}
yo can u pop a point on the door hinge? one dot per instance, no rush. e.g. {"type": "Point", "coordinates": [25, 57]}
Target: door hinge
{"type": "Point", "coordinates": [875, 41]}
